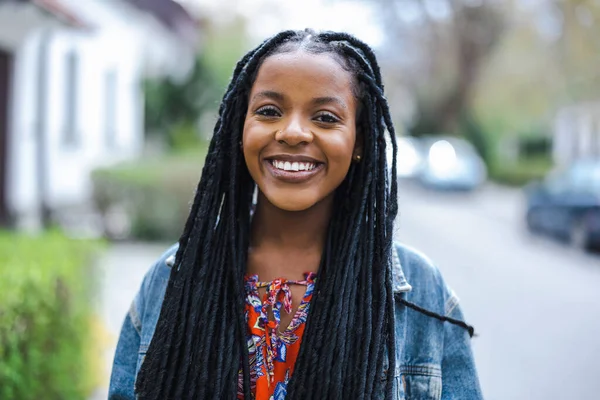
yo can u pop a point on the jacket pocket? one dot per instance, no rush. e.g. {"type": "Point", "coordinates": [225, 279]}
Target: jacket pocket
{"type": "Point", "coordinates": [419, 382]}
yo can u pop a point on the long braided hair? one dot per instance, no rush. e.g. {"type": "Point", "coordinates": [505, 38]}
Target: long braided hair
{"type": "Point", "coordinates": [200, 349]}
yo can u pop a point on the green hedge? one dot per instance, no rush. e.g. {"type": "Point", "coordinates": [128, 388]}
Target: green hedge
{"type": "Point", "coordinates": [154, 194]}
{"type": "Point", "coordinates": [45, 289]}
{"type": "Point", "coordinates": [522, 171]}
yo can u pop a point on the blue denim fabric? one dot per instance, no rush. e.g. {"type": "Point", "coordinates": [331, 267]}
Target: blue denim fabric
{"type": "Point", "coordinates": [433, 358]}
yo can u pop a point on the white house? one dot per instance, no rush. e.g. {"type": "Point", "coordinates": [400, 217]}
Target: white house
{"type": "Point", "coordinates": [577, 133]}
{"type": "Point", "coordinates": [70, 93]}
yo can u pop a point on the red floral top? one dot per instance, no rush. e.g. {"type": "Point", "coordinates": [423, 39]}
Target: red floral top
{"type": "Point", "coordinates": [273, 353]}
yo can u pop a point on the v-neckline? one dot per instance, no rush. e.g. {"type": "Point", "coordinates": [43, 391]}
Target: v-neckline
{"type": "Point", "coordinates": [253, 283]}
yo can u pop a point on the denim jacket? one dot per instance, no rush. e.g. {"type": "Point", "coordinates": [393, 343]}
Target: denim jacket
{"type": "Point", "coordinates": [433, 358]}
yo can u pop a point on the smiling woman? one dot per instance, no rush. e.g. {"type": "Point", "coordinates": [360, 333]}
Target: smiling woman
{"type": "Point", "coordinates": [302, 295]}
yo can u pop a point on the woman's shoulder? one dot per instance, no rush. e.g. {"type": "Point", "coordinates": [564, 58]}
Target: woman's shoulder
{"type": "Point", "coordinates": [414, 263]}
{"type": "Point", "coordinates": [155, 280]}
{"type": "Point", "coordinates": [146, 305]}
{"type": "Point", "coordinates": [164, 263]}
{"type": "Point", "coordinates": [427, 285]}
{"type": "Point", "coordinates": [411, 268]}
{"type": "Point", "coordinates": [413, 273]}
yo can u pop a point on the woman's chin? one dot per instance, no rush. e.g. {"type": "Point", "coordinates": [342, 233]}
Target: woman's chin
{"type": "Point", "coordinates": [292, 201]}
{"type": "Point", "coordinates": [287, 205]}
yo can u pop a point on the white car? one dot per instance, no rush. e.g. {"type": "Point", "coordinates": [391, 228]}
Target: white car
{"type": "Point", "coordinates": [409, 160]}
{"type": "Point", "coordinates": [451, 163]}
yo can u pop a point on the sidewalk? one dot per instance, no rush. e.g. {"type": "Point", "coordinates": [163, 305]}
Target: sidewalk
{"type": "Point", "coordinates": [122, 270]}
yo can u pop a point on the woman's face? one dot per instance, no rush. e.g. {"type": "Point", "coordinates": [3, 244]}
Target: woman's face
{"type": "Point", "coordinates": [300, 128]}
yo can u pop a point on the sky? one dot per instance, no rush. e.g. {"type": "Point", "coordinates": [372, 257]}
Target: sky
{"type": "Point", "coordinates": [267, 17]}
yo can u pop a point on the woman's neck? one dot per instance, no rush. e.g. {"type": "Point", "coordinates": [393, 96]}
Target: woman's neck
{"type": "Point", "coordinates": [273, 226]}
{"type": "Point", "coordinates": [287, 243]}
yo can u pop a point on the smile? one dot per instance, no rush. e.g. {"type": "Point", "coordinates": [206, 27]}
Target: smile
{"type": "Point", "coordinates": [290, 171]}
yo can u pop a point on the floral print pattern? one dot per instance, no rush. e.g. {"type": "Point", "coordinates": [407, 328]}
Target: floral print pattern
{"type": "Point", "coordinates": [273, 353]}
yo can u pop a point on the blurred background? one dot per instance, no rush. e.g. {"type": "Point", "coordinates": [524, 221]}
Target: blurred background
{"type": "Point", "coordinates": [106, 107]}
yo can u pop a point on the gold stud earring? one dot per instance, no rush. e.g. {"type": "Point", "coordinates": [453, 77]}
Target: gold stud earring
{"type": "Point", "coordinates": [357, 158]}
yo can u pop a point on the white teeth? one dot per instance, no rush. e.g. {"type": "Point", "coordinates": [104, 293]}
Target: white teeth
{"type": "Point", "coordinates": [308, 166]}
{"type": "Point", "coordinates": [294, 166]}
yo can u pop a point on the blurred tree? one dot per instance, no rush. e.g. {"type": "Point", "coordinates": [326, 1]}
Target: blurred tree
{"type": "Point", "coordinates": [445, 44]}
{"type": "Point", "coordinates": [172, 108]}
{"type": "Point", "coordinates": [546, 59]}
{"type": "Point", "coordinates": [184, 112]}
{"type": "Point", "coordinates": [495, 71]}
{"type": "Point", "coordinates": [512, 95]}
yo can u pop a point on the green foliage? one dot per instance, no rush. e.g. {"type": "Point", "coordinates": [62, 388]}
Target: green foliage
{"type": "Point", "coordinates": [474, 133]}
{"type": "Point", "coordinates": [155, 193]}
{"type": "Point", "coordinates": [44, 317]}
{"type": "Point", "coordinates": [173, 108]}
{"type": "Point", "coordinates": [521, 172]}
{"type": "Point", "coordinates": [184, 136]}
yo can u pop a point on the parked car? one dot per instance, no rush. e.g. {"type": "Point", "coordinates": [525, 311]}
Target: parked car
{"type": "Point", "coordinates": [409, 160]}
{"type": "Point", "coordinates": [451, 163]}
{"type": "Point", "coordinates": [567, 204]}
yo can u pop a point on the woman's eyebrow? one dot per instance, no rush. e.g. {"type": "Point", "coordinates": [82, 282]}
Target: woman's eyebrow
{"type": "Point", "coordinates": [319, 101]}
{"type": "Point", "coordinates": [269, 94]}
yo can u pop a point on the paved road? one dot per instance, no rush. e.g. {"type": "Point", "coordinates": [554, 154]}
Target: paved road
{"type": "Point", "coordinates": [535, 303]}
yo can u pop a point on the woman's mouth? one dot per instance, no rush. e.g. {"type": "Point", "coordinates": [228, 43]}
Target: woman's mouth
{"type": "Point", "coordinates": [293, 171]}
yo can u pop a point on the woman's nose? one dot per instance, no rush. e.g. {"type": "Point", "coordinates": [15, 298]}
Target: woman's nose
{"type": "Point", "coordinates": [294, 133]}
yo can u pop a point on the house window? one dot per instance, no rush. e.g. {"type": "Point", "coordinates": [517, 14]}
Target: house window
{"type": "Point", "coordinates": [110, 107]}
{"type": "Point", "coordinates": [71, 136]}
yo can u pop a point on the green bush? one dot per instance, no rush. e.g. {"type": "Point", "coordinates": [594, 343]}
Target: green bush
{"type": "Point", "coordinates": [45, 310]}
{"type": "Point", "coordinates": [154, 195]}
{"type": "Point", "coordinates": [522, 171]}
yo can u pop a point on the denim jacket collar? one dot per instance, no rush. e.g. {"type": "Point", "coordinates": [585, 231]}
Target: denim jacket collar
{"type": "Point", "coordinates": [399, 283]}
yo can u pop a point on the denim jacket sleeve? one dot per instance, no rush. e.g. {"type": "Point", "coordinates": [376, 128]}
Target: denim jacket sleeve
{"type": "Point", "coordinates": [122, 378]}
{"type": "Point", "coordinates": [435, 359]}
{"type": "Point", "coordinates": [137, 329]}
{"type": "Point", "coordinates": [460, 379]}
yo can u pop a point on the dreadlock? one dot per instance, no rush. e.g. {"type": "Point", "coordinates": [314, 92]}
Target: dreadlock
{"type": "Point", "coordinates": [200, 348]}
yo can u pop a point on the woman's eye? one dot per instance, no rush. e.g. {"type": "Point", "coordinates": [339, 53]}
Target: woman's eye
{"type": "Point", "coordinates": [327, 118]}
{"type": "Point", "coordinates": [268, 111]}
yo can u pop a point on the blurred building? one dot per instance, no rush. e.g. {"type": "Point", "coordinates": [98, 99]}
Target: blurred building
{"type": "Point", "coordinates": [577, 133]}
{"type": "Point", "coordinates": [71, 97]}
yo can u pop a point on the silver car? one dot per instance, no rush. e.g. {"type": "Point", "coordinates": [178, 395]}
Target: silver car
{"type": "Point", "coordinates": [451, 163]}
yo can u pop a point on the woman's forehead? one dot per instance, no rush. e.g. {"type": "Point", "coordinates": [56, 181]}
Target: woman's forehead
{"type": "Point", "coordinates": [299, 70]}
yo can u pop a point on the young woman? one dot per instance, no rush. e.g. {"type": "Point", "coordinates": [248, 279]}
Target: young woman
{"type": "Point", "coordinates": [285, 282]}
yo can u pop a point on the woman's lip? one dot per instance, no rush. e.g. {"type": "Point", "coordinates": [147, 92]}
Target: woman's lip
{"type": "Point", "coordinates": [293, 176]}
{"type": "Point", "coordinates": [292, 158]}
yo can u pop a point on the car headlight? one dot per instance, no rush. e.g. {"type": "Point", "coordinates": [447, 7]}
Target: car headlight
{"type": "Point", "coordinates": [442, 157]}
